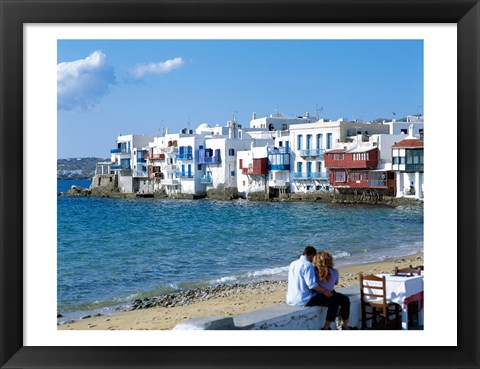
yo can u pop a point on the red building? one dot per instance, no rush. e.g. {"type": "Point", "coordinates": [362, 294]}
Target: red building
{"type": "Point", "coordinates": [356, 168]}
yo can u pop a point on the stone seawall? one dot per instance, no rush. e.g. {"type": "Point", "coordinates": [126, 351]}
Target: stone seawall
{"type": "Point", "coordinates": [105, 186]}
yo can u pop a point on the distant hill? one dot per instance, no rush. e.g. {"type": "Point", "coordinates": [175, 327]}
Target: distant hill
{"type": "Point", "coordinates": [77, 168]}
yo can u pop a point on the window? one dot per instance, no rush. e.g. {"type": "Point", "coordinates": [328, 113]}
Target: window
{"type": "Point", "coordinates": [299, 142]}
{"type": "Point", "coordinates": [319, 166]}
{"type": "Point", "coordinates": [329, 141]}
{"type": "Point", "coordinates": [309, 142]}
{"type": "Point", "coordinates": [199, 167]}
{"type": "Point", "coordinates": [299, 167]}
{"type": "Point", "coordinates": [340, 177]}
{"type": "Point", "coordinates": [338, 156]}
{"type": "Point", "coordinates": [319, 141]}
{"type": "Point", "coordinates": [232, 173]}
{"type": "Point", "coordinates": [231, 152]}
{"type": "Point", "coordinates": [309, 167]}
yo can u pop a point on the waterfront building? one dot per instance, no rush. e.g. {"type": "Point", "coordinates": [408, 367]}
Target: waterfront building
{"type": "Point", "coordinates": [407, 162]}
{"type": "Point", "coordinates": [253, 172]}
{"type": "Point", "coordinates": [308, 145]}
{"type": "Point", "coordinates": [221, 178]}
{"type": "Point", "coordinates": [128, 161]}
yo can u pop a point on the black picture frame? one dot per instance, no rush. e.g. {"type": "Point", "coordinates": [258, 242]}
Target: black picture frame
{"type": "Point", "coordinates": [15, 13]}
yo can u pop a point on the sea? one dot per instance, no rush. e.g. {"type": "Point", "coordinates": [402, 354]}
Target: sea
{"type": "Point", "coordinates": [114, 251]}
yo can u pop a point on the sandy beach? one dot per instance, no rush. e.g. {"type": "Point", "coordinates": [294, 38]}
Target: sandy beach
{"type": "Point", "coordinates": [227, 301]}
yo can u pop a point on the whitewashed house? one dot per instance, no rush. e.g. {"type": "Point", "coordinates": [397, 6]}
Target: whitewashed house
{"type": "Point", "coordinates": [407, 162]}
{"type": "Point", "coordinates": [252, 179]}
{"type": "Point", "coordinates": [128, 161]}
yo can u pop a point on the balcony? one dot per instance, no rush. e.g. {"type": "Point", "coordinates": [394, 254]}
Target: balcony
{"type": "Point", "coordinates": [184, 175]}
{"type": "Point", "coordinates": [312, 153]}
{"type": "Point", "coordinates": [169, 150]}
{"type": "Point", "coordinates": [185, 156]}
{"type": "Point", "coordinates": [278, 150]}
{"type": "Point", "coordinates": [310, 175]}
{"type": "Point", "coordinates": [279, 167]}
{"type": "Point", "coordinates": [206, 180]}
{"type": "Point", "coordinates": [119, 151]}
{"type": "Point", "coordinates": [155, 157]}
{"type": "Point", "coordinates": [209, 160]}
{"type": "Point", "coordinates": [140, 174]}
{"type": "Point", "coordinates": [119, 167]}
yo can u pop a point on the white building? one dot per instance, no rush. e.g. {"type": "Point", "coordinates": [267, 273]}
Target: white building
{"type": "Point", "coordinates": [402, 126]}
{"type": "Point", "coordinates": [308, 143]}
{"type": "Point", "coordinates": [253, 172]}
{"type": "Point", "coordinates": [407, 162]}
{"type": "Point", "coordinates": [278, 122]}
{"type": "Point", "coordinates": [128, 161]}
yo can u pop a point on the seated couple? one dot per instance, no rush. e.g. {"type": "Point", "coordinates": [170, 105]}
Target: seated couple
{"type": "Point", "coordinates": [311, 281]}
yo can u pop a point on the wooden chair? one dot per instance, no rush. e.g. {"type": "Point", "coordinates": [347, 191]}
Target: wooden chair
{"type": "Point", "coordinates": [409, 270]}
{"type": "Point", "coordinates": [375, 305]}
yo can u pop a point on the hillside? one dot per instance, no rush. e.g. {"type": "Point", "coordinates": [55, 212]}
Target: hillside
{"type": "Point", "coordinates": [77, 168]}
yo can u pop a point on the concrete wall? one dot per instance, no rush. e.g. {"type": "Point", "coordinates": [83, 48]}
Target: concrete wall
{"type": "Point", "coordinates": [279, 317]}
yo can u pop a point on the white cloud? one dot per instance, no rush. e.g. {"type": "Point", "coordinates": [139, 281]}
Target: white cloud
{"type": "Point", "coordinates": [82, 83]}
{"type": "Point", "coordinates": [141, 70]}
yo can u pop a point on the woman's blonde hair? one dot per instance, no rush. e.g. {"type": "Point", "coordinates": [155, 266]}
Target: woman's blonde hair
{"type": "Point", "coordinates": [323, 261]}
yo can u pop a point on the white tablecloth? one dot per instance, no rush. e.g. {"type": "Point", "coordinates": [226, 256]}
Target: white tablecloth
{"type": "Point", "coordinates": [402, 290]}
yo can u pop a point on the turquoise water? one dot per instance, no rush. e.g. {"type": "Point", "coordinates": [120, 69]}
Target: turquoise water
{"type": "Point", "coordinates": [112, 251]}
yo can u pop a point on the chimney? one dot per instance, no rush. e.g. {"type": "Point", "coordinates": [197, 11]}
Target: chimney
{"type": "Point", "coordinates": [410, 131]}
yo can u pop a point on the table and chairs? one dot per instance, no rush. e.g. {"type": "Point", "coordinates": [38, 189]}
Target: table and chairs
{"type": "Point", "coordinates": [387, 300]}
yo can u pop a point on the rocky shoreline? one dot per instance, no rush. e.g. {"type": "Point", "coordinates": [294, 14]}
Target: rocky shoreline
{"type": "Point", "coordinates": [336, 198]}
{"type": "Point", "coordinates": [187, 297]}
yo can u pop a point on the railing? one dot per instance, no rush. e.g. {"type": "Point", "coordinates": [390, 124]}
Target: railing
{"type": "Point", "coordinates": [209, 160]}
{"type": "Point", "coordinates": [206, 180]}
{"type": "Point", "coordinates": [413, 167]}
{"type": "Point", "coordinates": [119, 151]}
{"type": "Point", "coordinates": [184, 156]}
{"type": "Point", "coordinates": [169, 150]}
{"type": "Point", "coordinates": [184, 175]}
{"type": "Point", "coordinates": [279, 167]}
{"type": "Point", "coordinates": [141, 174]}
{"type": "Point", "coordinates": [119, 167]}
{"type": "Point", "coordinates": [155, 157]}
{"type": "Point", "coordinates": [247, 171]}
{"type": "Point", "coordinates": [378, 183]}
{"type": "Point", "coordinates": [278, 150]}
{"type": "Point", "coordinates": [310, 175]}
{"type": "Point", "coordinates": [312, 152]}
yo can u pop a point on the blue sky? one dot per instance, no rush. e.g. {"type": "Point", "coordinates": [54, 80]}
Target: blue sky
{"type": "Point", "coordinates": [108, 87]}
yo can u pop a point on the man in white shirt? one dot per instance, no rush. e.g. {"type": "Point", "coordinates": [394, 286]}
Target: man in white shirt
{"type": "Point", "coordinates": [302, 282]}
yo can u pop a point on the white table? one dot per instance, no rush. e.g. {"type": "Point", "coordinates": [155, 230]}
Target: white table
{"type": "Point", "coordinates": [403, 290]}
